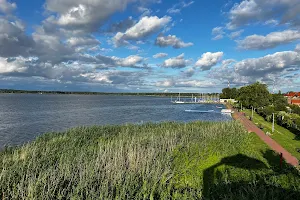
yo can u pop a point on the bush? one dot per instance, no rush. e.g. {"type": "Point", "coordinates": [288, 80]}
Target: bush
{"type": "Point", "coordinates": [269, 118]}
{"type": "Point", "coordinates": [266, 112]}
{"type": "Point", "coordinates": [296, 119]}
{"type": "Point", "coordinates": [284, 119]}
{"type": "Point", "coordinates": [295, 109]}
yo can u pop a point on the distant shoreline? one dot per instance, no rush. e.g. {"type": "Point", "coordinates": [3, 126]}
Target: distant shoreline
{"type": "Point", "coordinates": [10, 91]}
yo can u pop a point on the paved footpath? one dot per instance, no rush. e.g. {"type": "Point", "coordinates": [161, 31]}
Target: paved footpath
{"type": "Point", "coordinates": [251, 127]}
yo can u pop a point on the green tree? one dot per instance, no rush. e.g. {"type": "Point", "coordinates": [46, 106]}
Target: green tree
{"type": "Point", "coordinates": [229, 93]}
{"type": "Point", "coordinates": [295, 109]}
{"type": "Point", "coordinates": [284, 119]}
{"type": "Point", "coordinates": [280, 102]}
{"type": "Point", "coordinates": [256, 95]}
{"type": "Point", "coordinates": [267, 112]}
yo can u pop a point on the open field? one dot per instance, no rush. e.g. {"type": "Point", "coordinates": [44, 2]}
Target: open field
{"type": "Point", "coordinates": [283, 136]}
{"type": "Point", "coordinates": [149, 161]}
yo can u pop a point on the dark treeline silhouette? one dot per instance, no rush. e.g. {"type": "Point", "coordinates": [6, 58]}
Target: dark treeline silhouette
{"type": "Point", "coordinates": [102, 93]}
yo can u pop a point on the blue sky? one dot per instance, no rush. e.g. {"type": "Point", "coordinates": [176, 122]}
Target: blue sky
{"type": "Point", "coordinates": [149, 45]}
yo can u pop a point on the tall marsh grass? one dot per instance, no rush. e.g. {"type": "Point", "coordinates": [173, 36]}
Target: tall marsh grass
{"type": "Point", "coordinates": [149, 161]}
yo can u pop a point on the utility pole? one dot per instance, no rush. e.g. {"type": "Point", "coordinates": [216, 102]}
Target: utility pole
{"type": "Point", "coordinates": [273, 125]}
{"type": "Point", "coordinates": [252, 114]}
{"type": "Point", "coordinates": [241, 106]}
{"type": "Point", "coordinates": [274, 86]}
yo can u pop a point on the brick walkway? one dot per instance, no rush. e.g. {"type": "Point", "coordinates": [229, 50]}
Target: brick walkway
{"type": "Point", "coordinates": [251, 127]}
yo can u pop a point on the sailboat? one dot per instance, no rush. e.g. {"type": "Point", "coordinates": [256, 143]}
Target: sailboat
{"type": "Point", "coordinates": [178, 101]}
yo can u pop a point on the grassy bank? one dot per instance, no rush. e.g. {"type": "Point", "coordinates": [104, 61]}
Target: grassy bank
{"type": "Point", "coordinates": [283, 136]}
{"type": "Point", "coordinates": [150, 161]}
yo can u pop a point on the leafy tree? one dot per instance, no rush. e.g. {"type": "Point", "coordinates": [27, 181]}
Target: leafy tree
{"type": "Point", "coordinates": [295, 109]}
{"type": "Point", "coordinates": [297, 123]}
{"type": "Point", "coordinates": [280, 102]}
{"type": "Point", "coordinates": [284, 119]}
{"type": "Point", "coordinates": [267, 112]}
{"type": "Point", "coordinates": [229, 93]}
{"type": "Point", "coordinates": [256, 95]}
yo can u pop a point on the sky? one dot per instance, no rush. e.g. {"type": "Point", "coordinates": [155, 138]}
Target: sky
{"type": "Point", "coordinates": [149, 45]}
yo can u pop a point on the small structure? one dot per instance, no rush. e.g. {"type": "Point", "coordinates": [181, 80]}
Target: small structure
{"type": "Point", "coordinates": [295, 102]}
{"type": "Point", "coordinates": [228, 100]}
{"type": "Point", "coordinates": [293, 98]}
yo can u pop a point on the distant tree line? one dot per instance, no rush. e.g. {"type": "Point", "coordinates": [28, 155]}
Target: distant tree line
{"type": "Point", "coordinates": [258, 97]}
{"type": "Point", "coordinates": [104, 93]}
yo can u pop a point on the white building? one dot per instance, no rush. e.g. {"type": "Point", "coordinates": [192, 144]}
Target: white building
{"type": "Point", "coordinates": [228, 100]}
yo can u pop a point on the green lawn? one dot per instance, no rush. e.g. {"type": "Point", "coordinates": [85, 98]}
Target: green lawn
{"type": "Point", "coordinates": [281, 135]}
{"type": "Point", "coordinates": [199, 160]}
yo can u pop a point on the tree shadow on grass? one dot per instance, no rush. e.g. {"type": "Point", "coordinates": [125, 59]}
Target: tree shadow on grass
{"type": "Point", "coordinates": [295, 131]}
{"type": "Point", "coordinates": [258, 189]}
{"type": "Point", "coordinates": [273, 160]}
{"type": "Point", "coordinates": [297, 136]}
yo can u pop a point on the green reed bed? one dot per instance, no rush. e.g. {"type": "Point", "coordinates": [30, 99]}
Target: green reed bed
{"type": "Point", "coordinates": [150, 161]}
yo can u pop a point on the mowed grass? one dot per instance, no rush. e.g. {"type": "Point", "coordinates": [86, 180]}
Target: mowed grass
{"type": "Point", "coordinates": [283, 136]}
{"type": "Point", "coordinates": [198, 160]}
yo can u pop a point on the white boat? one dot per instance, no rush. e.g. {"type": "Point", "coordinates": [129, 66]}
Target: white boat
{"type": "Point", "coordinates": [226, 111]}
{"type": "Point", "coordinates": [200, 111]}
{"type": "Point", "coordinates": [178, 101]}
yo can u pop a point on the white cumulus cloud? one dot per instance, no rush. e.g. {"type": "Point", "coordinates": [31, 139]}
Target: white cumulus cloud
{"type": "Point", "coordinates": [218, 33]}
{"type": "Point", "coordinates": [160, 55]}
{"type": "Point", "coordinates": [82, 41]}
{"type": "Point", "coordinates": [176, 62]}
{"type": "Point", "coordinates": [259, 42]}
{"type": "Point", "coordinates": [84, 15]}
{"type": "Point", "coordinates": [235, 34]}
{"type": "Point", "coordinates": [272, 63]}
{"type": "Point", "coordinates": [145, 27]}
{"type": "Point", "coordinates": [280, 66]}
{"type": "Point", "coordinates": [129, 61]}
{"type": "Point", "coordinates": [185, 83]}
{"type": "Point", "coordinates": [165, 83]}
{"type": "Point", "coordinates": [171, 40]}
{"type": "Point", "coordinates": [249, 11]}
{"type": "Point", "coordinates": [297, 48]}
{"type": "Point", "coordinates": [208, 60]}
{"type": "Point", "coordinates": [16, 65]}
{"type": "Point", "coordinates": [7, 7]}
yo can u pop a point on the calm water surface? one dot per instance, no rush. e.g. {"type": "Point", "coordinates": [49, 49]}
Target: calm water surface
{"type": "Point", "coordinates": [25, 116]}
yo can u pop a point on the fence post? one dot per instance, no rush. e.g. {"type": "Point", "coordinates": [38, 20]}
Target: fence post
{"type": "Point", "coordinates": [273, 124]}
{"type": "Point", "coordinates": [281, 160]}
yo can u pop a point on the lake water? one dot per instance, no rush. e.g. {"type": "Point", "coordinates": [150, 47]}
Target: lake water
{"type": "Point", "coordinates": [25, 116]}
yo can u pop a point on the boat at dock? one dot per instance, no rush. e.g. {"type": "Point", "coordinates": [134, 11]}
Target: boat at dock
{"type": "Point", "coordinates": [178, 100]}
{"type": "Point", "coordinates": [202, 99]}
{"type": "Point", "coordinates": [200, 111]}
{"type": "Point", "coordinates": [223, 111]}
{"type": "Point", "coordinates": [227, 111]}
